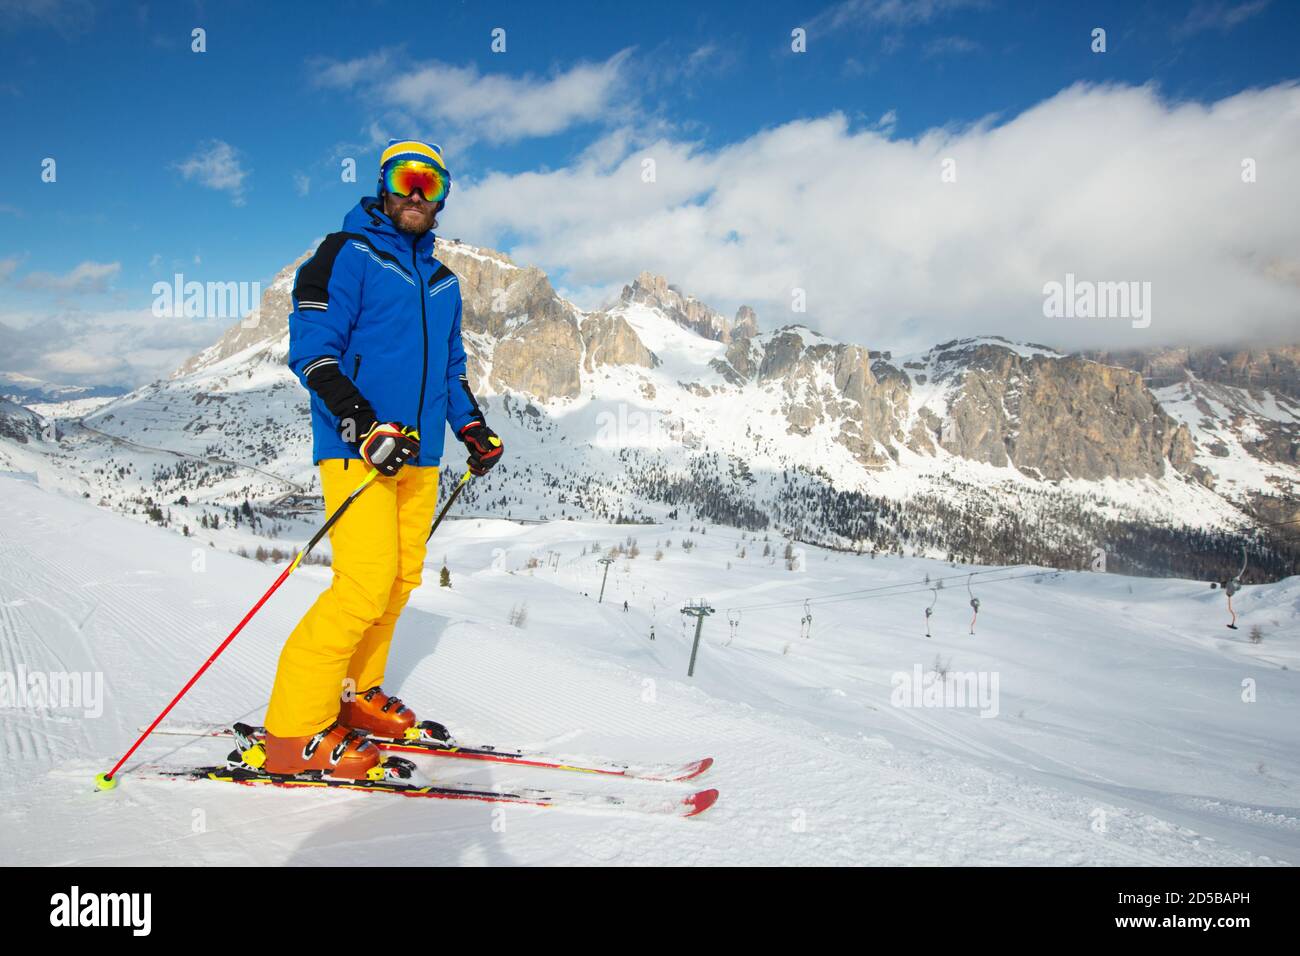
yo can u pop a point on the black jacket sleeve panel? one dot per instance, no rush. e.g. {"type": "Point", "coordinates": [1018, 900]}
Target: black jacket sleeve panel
{"type": "Point", "coordinates": [340, 395]}
{"type": "Point", "coordinates": [312, 282]}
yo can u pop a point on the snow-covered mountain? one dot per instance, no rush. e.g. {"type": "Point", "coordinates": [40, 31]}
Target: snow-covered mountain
{"type": "Point", "coordinates": [1242, 410]}
{"type": "Point", "coordinates": [658, 406]}
{"type": "Point", "coordinates": [26, 390]}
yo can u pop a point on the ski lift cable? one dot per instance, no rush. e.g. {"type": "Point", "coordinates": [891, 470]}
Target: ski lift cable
{"type": "Point", "coordinates": [884, 587]}
{"type": "Point", "coordinates": [921, 590]}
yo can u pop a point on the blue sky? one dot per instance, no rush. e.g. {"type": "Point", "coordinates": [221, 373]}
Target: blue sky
{"type": "Point", "coordinates": [224, 165]}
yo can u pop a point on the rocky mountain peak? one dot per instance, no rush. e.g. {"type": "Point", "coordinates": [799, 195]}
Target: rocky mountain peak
{"type": "Point", "coordinates": [687, 311]}
{"type": "Point", "coordinates": [746, 323]}
{"type": "Point", "coordinates": [19, 423]}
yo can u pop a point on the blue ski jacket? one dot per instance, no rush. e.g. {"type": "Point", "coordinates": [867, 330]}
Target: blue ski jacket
{"type": "Point", "coordinates": [377, 302]}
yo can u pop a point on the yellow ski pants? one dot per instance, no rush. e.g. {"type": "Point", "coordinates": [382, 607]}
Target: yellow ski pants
{"type": "Point", "coordinates": [341, 644]}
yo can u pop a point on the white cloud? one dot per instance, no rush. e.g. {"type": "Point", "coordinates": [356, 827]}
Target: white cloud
{"type": "Point", "coordinates": [853, 68]}
{"type": "Point", "coordinates": [885, 13]}
{"type": "Point", "coordinates": [75, 346]}
{"type": "Point", "coordinates": [80, 364]}
{"type": "Point", "coordinates": [1109, 183]}
{"type": "Point", "coordinates": [700, 58]}
{"type": "Point", "coordinates": [1218, 15]}
{"type": "Point", "coordinates": [216, 165]}
{"type": "Point", "coordinates": [85, 277]}
{"type": "Point", "coordinates": [493, 106]}
{"type": "Point", "coordinates": [351, 72]}
{"type": "Point", "coordinates": [69, 18]}
{"type": "Point", "coordinates": [949, 45]}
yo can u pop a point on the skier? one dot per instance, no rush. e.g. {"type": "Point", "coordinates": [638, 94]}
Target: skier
{"type": "Point", "coordinates": [375, 337]}
{"type": "Point", "coordinates": [624, 607]}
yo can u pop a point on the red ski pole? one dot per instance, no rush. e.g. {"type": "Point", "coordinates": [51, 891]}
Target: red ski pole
{"type": "Point", "coordinates": [107, 781]}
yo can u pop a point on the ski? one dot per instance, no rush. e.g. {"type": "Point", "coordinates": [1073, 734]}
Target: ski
{"type": "Point", "coordinates": [668, 773]}
{"type": "Point", "coordinates": [684, 806]}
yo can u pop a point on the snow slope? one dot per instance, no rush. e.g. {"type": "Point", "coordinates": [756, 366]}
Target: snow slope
{"type": "Point", "coordinates": [1121, 736]}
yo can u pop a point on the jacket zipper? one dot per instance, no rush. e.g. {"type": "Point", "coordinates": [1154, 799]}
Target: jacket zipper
{"type": "Point", "coordinates": [424, 324]}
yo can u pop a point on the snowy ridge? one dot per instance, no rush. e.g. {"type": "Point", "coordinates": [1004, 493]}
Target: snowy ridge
{"type": "Point", "coordinates": [1229, 424]}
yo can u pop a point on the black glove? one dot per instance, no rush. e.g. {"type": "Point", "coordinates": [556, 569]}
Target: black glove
{"type": "Point", "coordinates": [483, 445]}
{"type": "Point", "coordinates": [387, 446]}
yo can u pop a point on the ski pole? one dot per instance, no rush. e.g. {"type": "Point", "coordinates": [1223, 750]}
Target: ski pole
{"type": "Point", "coordinates": [107, 781]}
{"type": "Point", "coordinates": [454, 495]}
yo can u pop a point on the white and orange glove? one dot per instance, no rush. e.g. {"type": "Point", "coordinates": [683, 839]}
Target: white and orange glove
{"type": "Point", "coordinates": [387, 446]}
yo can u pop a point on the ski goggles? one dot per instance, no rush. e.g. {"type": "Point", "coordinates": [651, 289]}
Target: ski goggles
{"type": "Point", "coordinates": [405, 177]}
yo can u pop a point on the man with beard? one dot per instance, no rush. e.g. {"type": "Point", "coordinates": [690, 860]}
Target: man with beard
{"type": "Point", "coordinates": [375, 336]}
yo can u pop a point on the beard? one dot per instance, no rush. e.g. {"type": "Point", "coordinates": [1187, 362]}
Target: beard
{"type": "Point", "coordinates": [412, 219]}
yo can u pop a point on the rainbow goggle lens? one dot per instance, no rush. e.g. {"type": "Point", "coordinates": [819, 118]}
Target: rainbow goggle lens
{"type": "Point", "coordinates": [405, 177]}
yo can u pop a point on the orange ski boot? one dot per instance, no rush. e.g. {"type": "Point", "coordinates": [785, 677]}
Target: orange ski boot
{"type": "Point", "coordinates": [387, 717]}
{"type": "Point", "coordinates": [337, 750]}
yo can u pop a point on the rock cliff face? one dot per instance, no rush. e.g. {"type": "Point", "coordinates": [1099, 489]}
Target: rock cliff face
{"type": "Point", "coordinates": [1244, 398]}
{"type": "Point", "coordinates": [746, 324]}
{"type": "Point", "coordinates": [529, 333]}
{"type": "Point", "coordinates": [609, 340]}
{"type": "Point", "coordinates": [1051, 416]}
{"type": "Point", "coordinates": [1059, 417]}
{"type": "Point", "coordinates": [540, 358]}
{"type": "Point", "coordinates": [21, 424]}
{"type": "Point", "coordinates": [1276, 369]}
{"type": "Point", "coordinates": [829, 382]}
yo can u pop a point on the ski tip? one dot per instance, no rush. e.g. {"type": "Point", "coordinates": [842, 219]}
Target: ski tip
{"type": "Point", "coordinates": [697, 803]}
{"type": "Point", "coordinates": [687, 771]}
{"type": "Point", "coordinates": [697, 768]}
